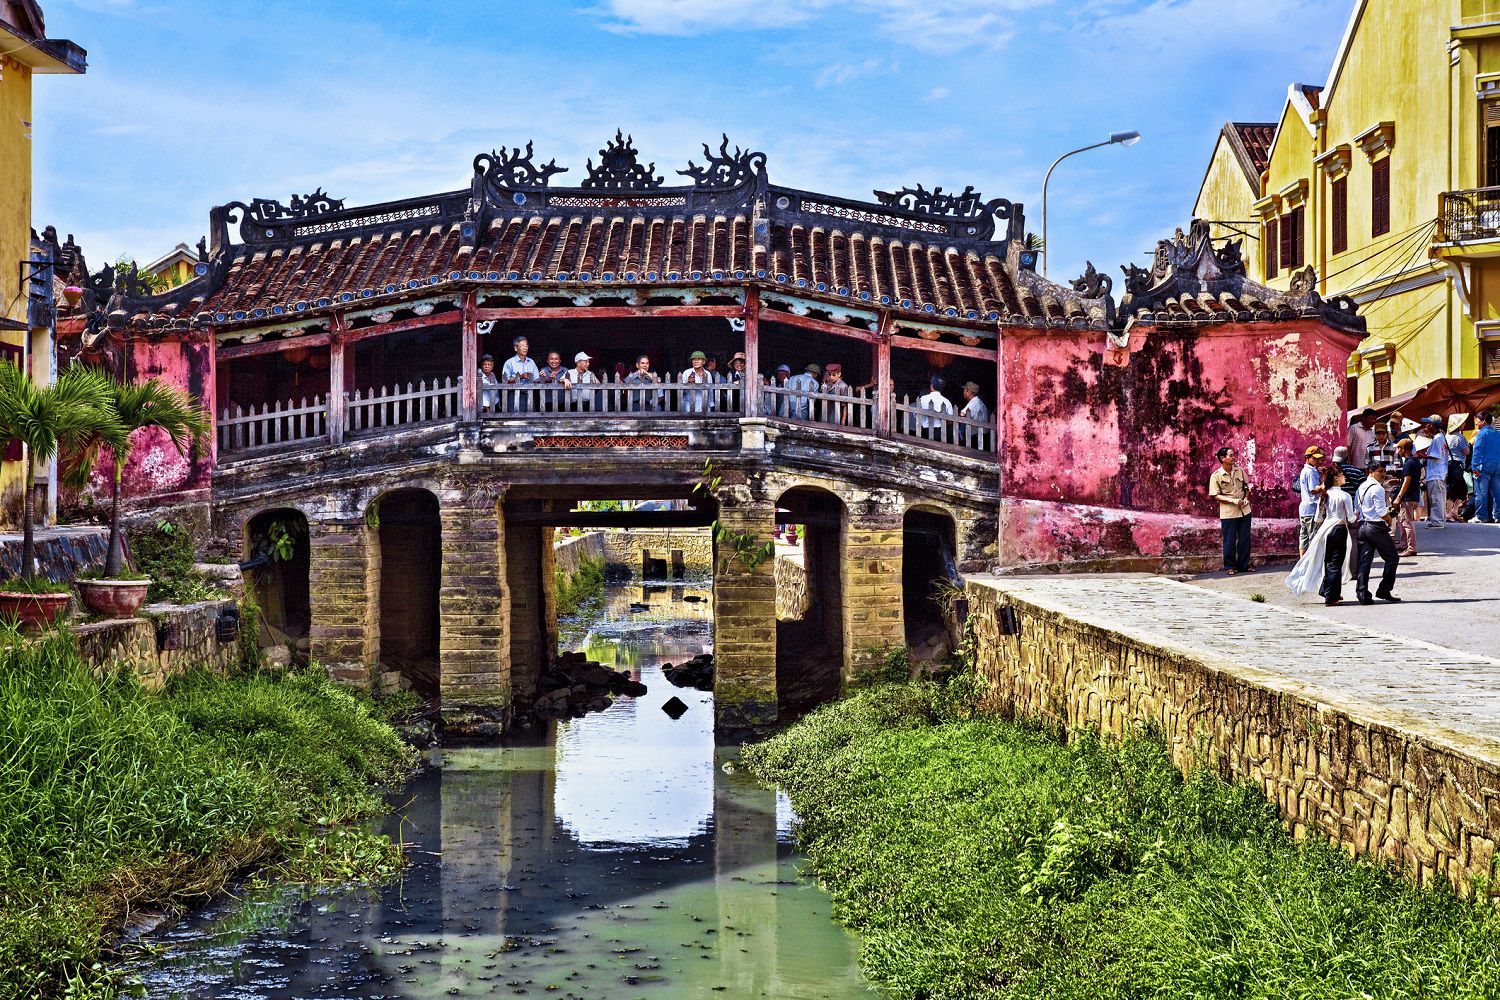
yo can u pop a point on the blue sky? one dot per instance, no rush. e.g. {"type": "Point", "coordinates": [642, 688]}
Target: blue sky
{"type": "Point", "coordinates": [187, 105]}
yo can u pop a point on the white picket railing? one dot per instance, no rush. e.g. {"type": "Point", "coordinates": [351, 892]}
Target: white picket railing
{"type": "Point", "coordinates": [950, 431]}
{"type": "Point", "coordinates": [272, 424]}
{"type": "Point", "coordinates": [662, 398]}
{"type": "Point", "coordinates": [799, 406]}
{"type": "Point", "coordinates": [393, 406]}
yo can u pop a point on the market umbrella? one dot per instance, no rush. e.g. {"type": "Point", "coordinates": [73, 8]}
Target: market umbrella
{"type": "Point", "coordinates": [1444, 397]}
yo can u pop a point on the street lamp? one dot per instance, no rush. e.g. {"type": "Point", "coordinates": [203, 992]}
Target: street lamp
{"type": "Point", "coordinates": [1120, 138]}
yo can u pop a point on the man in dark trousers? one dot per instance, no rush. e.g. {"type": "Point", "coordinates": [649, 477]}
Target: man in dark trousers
{"type": "Point", "coordinates": [1375, 536]}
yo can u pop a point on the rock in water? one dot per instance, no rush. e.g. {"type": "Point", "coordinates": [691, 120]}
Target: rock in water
{"type": "Point", "coordinates": [675, 707]}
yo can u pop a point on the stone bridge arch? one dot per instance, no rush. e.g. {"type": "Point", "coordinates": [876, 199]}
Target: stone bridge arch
{"type": "Point", "coordinates": [274, 543]}
{"type": "Point", "coordinates": [929, 565]}
{"type": "Point", "coordinates": [406, 564]}
{"type": "Point", "coordinates": [810, 648]}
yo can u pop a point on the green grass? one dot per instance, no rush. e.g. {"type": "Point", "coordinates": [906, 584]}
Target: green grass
{"type": "Point", "coordinates": [114, 799]}
{"type": "Point", "coordinates": [981, 859]}
{"type": "Point", "coordinates": [573, 589]}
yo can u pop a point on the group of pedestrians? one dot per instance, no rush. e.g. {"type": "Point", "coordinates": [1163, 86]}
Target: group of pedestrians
{"type": "Point", "coordinates": [554, 387]}
{"type": "Point", "coordinates": [1366, 499]}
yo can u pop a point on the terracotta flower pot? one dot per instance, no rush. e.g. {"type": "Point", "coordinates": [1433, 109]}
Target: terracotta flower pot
{"type": "Point", "coordinates": [113, 598]}
{"type": "Point", "coordinates": [34, 611]}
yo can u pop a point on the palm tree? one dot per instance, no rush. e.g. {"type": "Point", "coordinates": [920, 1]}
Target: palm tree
{"type": "Point", "coordinates": [136, 406]}
{"type": "Point", "coordinates": [48, 419]}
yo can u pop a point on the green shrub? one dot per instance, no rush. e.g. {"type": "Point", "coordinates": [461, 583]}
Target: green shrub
{"type": "Point", "coordinates": [572, 590]}
{"type": "Point", "coordinates": [114, 798]}
{"type": "Point", "coordinates": [984, 859]}
{"type": "Point", "coordinates": [34, 585]}
{"type": "Point", "coordinates": [164, 551]}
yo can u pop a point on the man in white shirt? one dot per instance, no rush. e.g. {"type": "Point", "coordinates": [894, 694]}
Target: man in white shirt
{"type": "Point", "coordinates": [519, 370]}
{"type": "Point", "coordinates": [974, 409]}
{"type": "Point", "coordinates": [1435, 460]}
{"type": "Point", "coordinates": [935, 402]}
{"type": "Point", "coordinates": [1375, 537]}
{"type": "Point", "coordinates": [1309, 488]}
{"type": "Point", "coordinates": [579, 376]}
{"type": "Point", "coordinates": [696, 400]}
{"type": "Point", "coordinates": [489, 384]}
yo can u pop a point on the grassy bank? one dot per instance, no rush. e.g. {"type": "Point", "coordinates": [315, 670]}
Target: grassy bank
{"type": "Point", "coordinates": [113, 799]}
{"type": "Point", "coordinates": [983, 859]}
{"type": "Point", "coordinates": [574, 588]}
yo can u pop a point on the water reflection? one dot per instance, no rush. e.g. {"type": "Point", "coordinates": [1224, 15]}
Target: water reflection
{"type": "Point", "coordinates": [615, 857]}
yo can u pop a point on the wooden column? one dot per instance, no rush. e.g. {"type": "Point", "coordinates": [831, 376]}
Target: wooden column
{"type": "Point", "coordinates": [750, 389]}
{"type": "Point", "coordinates": [468, 403]}
{"type": "Point", "coordinates": [883, 387]}
{"type": "Point", "coordinates": [337, 402]}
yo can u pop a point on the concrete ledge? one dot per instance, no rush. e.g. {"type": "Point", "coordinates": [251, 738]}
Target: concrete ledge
{"type": "Point", "coordinates": [132, 643]}
{"type": "Point", "coordinates": [1414, 785]}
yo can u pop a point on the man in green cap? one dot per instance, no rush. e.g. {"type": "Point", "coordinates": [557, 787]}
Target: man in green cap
{"type": "Point", "coordinates": [798, 407]}
{"type": "Point", "coordinates": [695, 382]}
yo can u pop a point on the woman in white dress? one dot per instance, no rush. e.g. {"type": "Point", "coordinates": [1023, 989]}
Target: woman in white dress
{"type": "Point", "coordinates": [1327, 563]}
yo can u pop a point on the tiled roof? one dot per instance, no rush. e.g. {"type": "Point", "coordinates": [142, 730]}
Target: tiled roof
{"type": "Point", "coordinates": [1251, 142]}
{"type": "Point", "coordinates": [924, 253]}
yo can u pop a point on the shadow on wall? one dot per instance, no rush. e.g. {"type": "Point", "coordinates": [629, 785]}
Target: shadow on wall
{"type": "Point", "coordinates": [277, 547]}
{"type": "Point", "coordinates": [928, 562]}
{"type": "Point", "coordinates": [410, 577]}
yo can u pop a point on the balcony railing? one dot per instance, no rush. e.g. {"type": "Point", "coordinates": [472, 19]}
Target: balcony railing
{"type": "Point", "coordinates": [383, 409]}
{"type": "Point", "coordinates": [1469, 215]}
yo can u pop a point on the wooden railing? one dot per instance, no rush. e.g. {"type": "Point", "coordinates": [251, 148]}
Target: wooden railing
{"type": "Point", "coordinates": [666, 398]}
{"type": "Point", "coordinates": [393, 406]}
{"type": "Point", "coordinates": [272, 424]}
{"type": "Point", "coordinates": [1468, 215]}
{"type": "Point", "coordinates": [855, 412]}
{"type": "Point", "coordinates": [950, 431]}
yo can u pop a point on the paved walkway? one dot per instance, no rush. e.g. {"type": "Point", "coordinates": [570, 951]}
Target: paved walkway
{"type": "Point", "coordinates": [1450, 592]}
{"type": "Point", "coordinates": [1450, 689]}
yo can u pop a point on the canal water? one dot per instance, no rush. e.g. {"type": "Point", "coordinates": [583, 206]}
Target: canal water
{"type": "Point", "coordinates": [616, 856]}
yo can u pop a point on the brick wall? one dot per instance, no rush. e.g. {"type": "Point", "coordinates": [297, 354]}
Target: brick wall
{"type": "Point", "coordinates": [131, 643]}
{"type": "Point", "coordinates": [343, 589]}
{"type": "Point", "coordinates": [873, 618]}
{"type": "Point", "coordinates": [622, 549]}
{"type": "Point", "coordinates": [1418, 799]}
{"type": "Point", "coordinates": [744, 621]}
{"type": "Point", "coordinates": [473, 620]}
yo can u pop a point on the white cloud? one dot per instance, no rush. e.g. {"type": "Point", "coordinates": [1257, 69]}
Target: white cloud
{"type": "Point", "coordinates": [841, 73]}
{"type": "Point", "coordinates": [937, 94]}
{"type": "Point", "coordinates": [940, 26]}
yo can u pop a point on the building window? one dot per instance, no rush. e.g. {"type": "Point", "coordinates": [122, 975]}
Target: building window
{"type": "Point", "coordinates": [1491, 358]}
{"type": "Point", "coordinates": [1380, 197]}
{"type": "Point", "coordinates": [1271, 246]}
{"type": "Point", "coordinates": [1351, 392]}
{"type": "Point", "coordinates": [1291, 248]}
{"type": "Point", "coordinates": [1382, 388]}
{"type": "Point", "coordinates": [11, 449]}
{"type": "Point", "coordinates": [1340, 212]}
{"type": "Point", "coordinates": [1492, 144]}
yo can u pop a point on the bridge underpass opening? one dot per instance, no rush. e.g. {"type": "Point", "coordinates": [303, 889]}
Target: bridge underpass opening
{"type": "Point", "coordinates": [810, 643]}
{"type": "Point", "coordinates": [410, 560]}
{"type": "Point", "coordinates": [278, 560]}
{"type": "Point", "coordinates": [538, 518]}
{"type": "Point", "coordinates": [928, 564]}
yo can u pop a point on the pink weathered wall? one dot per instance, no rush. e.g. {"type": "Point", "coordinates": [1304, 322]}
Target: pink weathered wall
{"type": "Point", "coordinates": [1108, 451]}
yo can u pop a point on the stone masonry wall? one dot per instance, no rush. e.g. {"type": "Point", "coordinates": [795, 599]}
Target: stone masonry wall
{"type": "Point", "coordinates": [623, 549]}
{"type": "Point", "coordinates": [130, 643]}
{"type": "Point", "coordinates": [344, 594]}
{"type": "Point", "coordinates": [874, 621]}
{"type": "Point", "coordinates": [474, 611]}
{"type": "Point", "coordinates": [791, 585]}
{"type": "Point", "coordinates": [745, 623]}
{"type": "Point", "coordinates": [569, 553]}
{"type": "Point", "coordinates": [1416, 799]}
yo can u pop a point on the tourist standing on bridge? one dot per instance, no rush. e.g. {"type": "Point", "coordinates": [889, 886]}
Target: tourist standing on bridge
{"type": "Point", "coordinates": [696, 400]}
{"type": "Point", "coordinates": [643, 376]}
{"type": "Point", "coordinates": [1231, 489]}
{"type": "Point", "coordinates": [1484, 460]}
{"type": "Point", "coordinates": [1309, 488]}
{"type": "Point", "coordinates": [798, 407]}
{"type": "Point", "coordinates": [935, 402]}
{"type": "Point", "coordinates": [520, 370]}
{"type": "Point", "coordinates": [834, 385]}
{"type": "Point", "coordinates": [1375, 538]}
{"type": "Point", "coordinates": [774, 404]}
{"type": "Point", "coordinates": [489, 384]}
{"type": "Point", "coordinates": [737, 368]}
{"type": "Point", "coordinates": [974, 409]}
{"type": "Point", "coordinates": [581, 376]}
{"type": "Point", "coordinates": [1383, 450]}
{"type": "Point", "coordinates": [553, 374]}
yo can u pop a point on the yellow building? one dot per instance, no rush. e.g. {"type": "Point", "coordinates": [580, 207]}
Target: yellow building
{"type": "Point", "coordinates": [178, 265]}
{"type": "Point", "coordinates": [1385, 182]}
{"type": "Point", "coordinates": [26, 316]}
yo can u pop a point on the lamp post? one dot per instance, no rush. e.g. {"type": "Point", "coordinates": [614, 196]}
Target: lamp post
{"type": "Point", "coordinates": [1120, 138]}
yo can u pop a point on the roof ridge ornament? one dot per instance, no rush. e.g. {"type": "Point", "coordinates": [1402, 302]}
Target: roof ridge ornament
{"type": "Point", "coordinates": [266, 211]}
{"type": "Point", "coordinates": [725, 169]}
{"type": "Point", "coordinates": [967, 205]}
{"type": "Point", "coordinates": [619, 168]}
{"type": "Point", "coordinates": [514, 169]}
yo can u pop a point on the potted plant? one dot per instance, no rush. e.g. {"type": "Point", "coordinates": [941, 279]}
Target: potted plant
{"type": "Point", "coordinates": [46, 419]}
{"type": "Point", "coordinates": [116, 591]}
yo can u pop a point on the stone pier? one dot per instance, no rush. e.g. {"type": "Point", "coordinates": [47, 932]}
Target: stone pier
{"type": "Point", "coordinates": [344, 591]}
{"type": "Point", "coordinates": [474, 608]}
{"type": "Point", "coordinates": [744, 619]}
{"type": "Point", "coordinates": [874, 623]}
